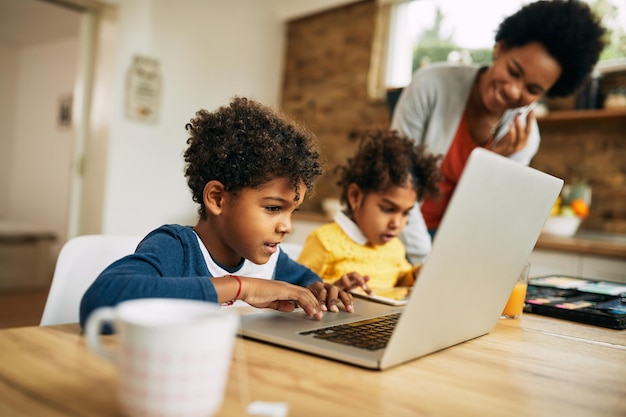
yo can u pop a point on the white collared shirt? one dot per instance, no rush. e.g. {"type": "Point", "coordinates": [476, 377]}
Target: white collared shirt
{"type": "Point", "coordinates": [247, 268]}
{"type": "Point", "coordinates": [350, 228]}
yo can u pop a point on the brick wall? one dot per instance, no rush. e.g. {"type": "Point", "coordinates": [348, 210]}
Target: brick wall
{"type": "Point", "coordinates": [326, 68]}
{"type": "Point", "coordinates": [325, 84]}
{"type": "Point", "coordinates": [591, 150]}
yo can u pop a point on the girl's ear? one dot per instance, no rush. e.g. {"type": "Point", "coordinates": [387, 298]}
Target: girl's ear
{"type": "Point", "coordinates": [355, 197]}
{"type": "Point", "coordinates": [213, 197]}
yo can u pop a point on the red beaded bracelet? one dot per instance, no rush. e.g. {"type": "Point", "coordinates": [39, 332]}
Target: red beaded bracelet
{"type": "Point", "coordinates": [231, 302]}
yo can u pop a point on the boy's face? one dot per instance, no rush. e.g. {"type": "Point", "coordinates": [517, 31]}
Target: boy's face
{"type": "Point", "coordinates": [381, 216]}
{"type": "Point", "coordinates": [253, 223]}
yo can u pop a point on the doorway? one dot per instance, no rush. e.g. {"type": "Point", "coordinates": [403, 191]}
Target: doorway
{"type": "Point", "coordinates": [47, 70]}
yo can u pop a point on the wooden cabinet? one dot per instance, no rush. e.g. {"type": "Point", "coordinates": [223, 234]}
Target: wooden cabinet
{"type": "Point", "coordinates": [26, 260]}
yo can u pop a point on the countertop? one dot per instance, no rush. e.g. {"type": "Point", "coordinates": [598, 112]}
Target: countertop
{"type": "Point", "coordinates": [14, 232]}
{"type": "Point", "coordinates": [586, 242]}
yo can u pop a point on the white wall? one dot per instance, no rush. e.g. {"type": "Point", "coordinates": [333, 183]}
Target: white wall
{"type": "Point", "coordinates": [41, 149]}
{"type": "Point", "coordinates": [209, 51]}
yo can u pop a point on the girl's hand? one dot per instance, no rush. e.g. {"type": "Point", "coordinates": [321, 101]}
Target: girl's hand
{"type": "Point", "coordinates": [408, 279]}
{"type": "Point", "coordinates": [517, 137]}
{"type": "Point", "coordinates": [281, 296]}
{"type": "Point", "coordinates": [329, 295]}
{"type": "Point", "coordinates": [416, 271]}
{"type": "Point", "coordinates": [353, 280]}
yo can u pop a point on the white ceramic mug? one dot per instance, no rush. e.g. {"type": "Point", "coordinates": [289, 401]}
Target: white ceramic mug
{"type": "Point", "coordinates": [173, 355]}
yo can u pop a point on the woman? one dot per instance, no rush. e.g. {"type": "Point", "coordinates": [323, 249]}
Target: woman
{"type": "Point", "coordinates": [547, 48]}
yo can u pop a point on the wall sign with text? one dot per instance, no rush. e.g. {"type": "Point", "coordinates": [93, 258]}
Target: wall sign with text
{"type": "Point", "coordinates": [143, 89]}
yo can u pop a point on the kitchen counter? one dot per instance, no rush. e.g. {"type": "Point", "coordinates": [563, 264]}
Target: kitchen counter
{"type": "Point", "coordinates": [27, 255]}
{"type": "Point", "coordinates": [586, 242]}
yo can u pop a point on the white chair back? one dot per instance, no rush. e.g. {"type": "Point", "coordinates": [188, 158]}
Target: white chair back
{"type": "Point", "coordinates": [79, 263]}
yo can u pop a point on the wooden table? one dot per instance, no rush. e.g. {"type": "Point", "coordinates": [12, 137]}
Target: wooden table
{"type": "Point", "coordinates": [535, 366]}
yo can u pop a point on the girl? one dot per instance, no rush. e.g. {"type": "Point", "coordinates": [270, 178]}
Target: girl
{"type": "Point", "coordinates": [380, 185]}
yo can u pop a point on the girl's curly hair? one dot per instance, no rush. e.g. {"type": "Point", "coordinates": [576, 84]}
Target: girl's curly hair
{"type": "Point", "coordinates": [569, 31]}
{"type": "Point", "coordinates": [385, 159]}
{"type": "Point", "coordinates": [246, 144]}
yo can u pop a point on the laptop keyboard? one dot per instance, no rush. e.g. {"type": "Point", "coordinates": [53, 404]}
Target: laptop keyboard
{"type": "Point", "coordinates": [370, 334]}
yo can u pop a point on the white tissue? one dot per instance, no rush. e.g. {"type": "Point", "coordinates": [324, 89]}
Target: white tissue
{"type": "Point", "coordinates": [268, 409]}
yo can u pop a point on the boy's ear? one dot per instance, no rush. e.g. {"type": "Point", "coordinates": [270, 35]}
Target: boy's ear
{"type": "Point", "coordinates": [355, 196]}
{"type": "Point", "coordinates": [213, 197]}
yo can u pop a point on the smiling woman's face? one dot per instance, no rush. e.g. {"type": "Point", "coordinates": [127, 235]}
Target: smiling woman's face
{"type": "Point", "coordinates": [518, 76]}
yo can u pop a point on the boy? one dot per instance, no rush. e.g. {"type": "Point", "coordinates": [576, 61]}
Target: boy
{"type": "Point", "coordinates": [249, 169]}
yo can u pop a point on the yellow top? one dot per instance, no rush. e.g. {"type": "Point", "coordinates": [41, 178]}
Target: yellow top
{"type": "Point", "coordinates": [331, 253]}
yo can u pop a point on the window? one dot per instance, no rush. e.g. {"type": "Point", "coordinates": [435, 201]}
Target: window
{"type": "Point", "coordinates": [424, 31]}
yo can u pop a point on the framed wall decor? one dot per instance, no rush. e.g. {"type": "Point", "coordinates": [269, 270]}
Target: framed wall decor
{"type": "Point", "coordinates": [143, 89]}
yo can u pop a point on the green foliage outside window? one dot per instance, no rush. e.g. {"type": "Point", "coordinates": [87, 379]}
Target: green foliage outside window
{"type": "Point", "coordinates": [616, 33]}
{"type": "Point", "coordinates": [432, 46]}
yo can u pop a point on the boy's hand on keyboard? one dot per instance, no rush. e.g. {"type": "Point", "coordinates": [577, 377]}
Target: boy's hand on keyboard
{"type": "Point", "coordinates": [279, 295]}
{"type": "Point", "coordinates": [329, 297]}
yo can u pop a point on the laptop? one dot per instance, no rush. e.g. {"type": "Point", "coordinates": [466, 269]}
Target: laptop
{"type": "Point", "coordinates": [486, 235]}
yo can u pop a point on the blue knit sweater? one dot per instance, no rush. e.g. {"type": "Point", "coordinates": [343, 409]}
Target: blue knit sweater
{"type": "Point", "coordinates": [168, 263]}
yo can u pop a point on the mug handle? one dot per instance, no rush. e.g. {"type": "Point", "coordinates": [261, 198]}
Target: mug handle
{"type": "Point", "coordinates": [93, 328]}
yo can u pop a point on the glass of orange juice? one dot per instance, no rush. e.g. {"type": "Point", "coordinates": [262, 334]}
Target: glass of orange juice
{"type": "Point", "coordinates": [515, 305]}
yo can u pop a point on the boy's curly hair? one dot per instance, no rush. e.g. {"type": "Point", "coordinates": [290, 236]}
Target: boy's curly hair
{"type": "Point", "coordinates": [569, 31]}
{"type": "Point", "coordinates": [246, 144]}
{"type": "Point", "coordinates": [386, 159]}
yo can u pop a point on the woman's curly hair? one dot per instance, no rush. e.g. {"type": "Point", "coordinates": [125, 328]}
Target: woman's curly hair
{"type": "Point", "coordinates": [385, 159]}
{"type": "Point", "coordinates": [569, 31]}
{"type": "Point", "coordinates": [246, 144]}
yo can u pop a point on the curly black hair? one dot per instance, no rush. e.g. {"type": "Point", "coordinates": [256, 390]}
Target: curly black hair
{"type": "Point", "coordinates": [570, 32]}
{"type": "Point", "coordinates": [388, 158]}
{"type": "Point", "coordinates": [246, 144]}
